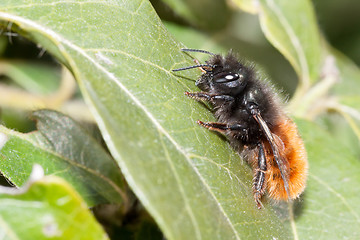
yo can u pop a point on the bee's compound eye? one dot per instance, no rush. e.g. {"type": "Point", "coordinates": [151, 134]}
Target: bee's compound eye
{"type": "Point", "coordinates": [226, 77]}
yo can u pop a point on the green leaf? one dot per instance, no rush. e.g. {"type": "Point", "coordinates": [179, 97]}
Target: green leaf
{"type": "Point", "coordinates": [46, 209]}
{"type": "Point", "coordinates": [63, 148]}
{"type": "Point", "coordinates": [331, 207]}
{"type": "Point", "coordinates": [344, 94]}
{"type": "Point", "coordinates": [291, 27]}
{"type": "Point", "coordinates": [348, 84]}
{"type": "Point", "coordinates": [189, 179]}
{"type": "Point", "coordinates": [193, 12]}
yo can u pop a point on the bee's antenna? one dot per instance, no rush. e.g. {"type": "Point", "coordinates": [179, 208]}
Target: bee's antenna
{"type": "Point", "coordinates": [195, 66]}
{"type": "Point", "coordinates": [197, 50]}
{"type": "Point", "coordinates": [190, 67]}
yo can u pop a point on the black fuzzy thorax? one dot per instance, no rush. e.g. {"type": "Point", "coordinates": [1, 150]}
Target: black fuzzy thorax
{"type": "Point", "coordinates": [236, 112]}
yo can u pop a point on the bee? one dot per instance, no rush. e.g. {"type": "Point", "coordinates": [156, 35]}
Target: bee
{"type": "Point", "coordinates": [250, 114]}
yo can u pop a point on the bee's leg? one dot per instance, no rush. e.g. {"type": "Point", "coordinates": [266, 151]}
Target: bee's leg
{"type": "Point", "coordinates": [221, 127]}
{"type": "Point", "coordinates": [259, 183]}
{"type": "Point", "coordinates": [203, 96]}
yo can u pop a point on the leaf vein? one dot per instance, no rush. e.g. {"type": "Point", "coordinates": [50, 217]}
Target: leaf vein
{"type": "Point", "coordinates": [182, 191]}
{"type": "Point", "coordinates": [337, 195]}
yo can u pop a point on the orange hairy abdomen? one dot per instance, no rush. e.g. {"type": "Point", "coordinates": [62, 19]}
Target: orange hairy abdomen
{"type": "Point", "coordinates": [291, 148]}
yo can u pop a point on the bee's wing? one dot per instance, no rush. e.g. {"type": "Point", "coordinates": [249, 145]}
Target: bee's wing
{"type": "Point", "coordinates": [282, 163]}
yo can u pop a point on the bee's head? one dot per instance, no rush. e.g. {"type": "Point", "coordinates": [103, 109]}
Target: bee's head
{"type": "Point", "coordinates": [222, 75]}
{"type": "Point", "coordinates": [225, 75]}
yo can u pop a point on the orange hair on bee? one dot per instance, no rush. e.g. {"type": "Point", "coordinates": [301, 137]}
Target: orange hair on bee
{"type": "Point", "coordinates": [292, 149]}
